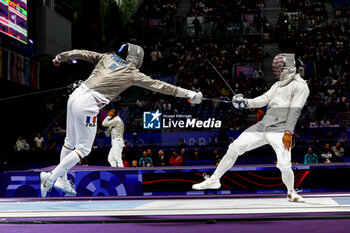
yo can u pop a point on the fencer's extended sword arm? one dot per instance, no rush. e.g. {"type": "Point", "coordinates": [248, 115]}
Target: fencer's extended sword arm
{"type": "Point", "coordinates": [263, 100]}
{"type": "Point", "coordinates": [85, 55]}
{"type": "Point", "coordinates": [142, 80]}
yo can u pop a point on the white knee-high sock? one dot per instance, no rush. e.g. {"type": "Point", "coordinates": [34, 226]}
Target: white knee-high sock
{"type": "Point", "coordinates": [225, 164]}
{"type": "Point", "coordinates": [67, 163]}
{"type": "Point", "coordinates": [64, 152]}
{"type": "Point", "coordinates": [288, 179]}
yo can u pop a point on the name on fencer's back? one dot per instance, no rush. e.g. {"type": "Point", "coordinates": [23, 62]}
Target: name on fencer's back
{"type": "Point", "coordinates": [209, 123]}
{"type": "Point", "coordinates": [118, 61]}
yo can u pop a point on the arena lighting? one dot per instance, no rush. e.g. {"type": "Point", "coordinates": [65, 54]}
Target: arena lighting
{"type": "Point", "coordinates": [285, 21]}
{"type": "Point", "coordinates": [31, 41]}
{"type": "Point", "coordinates": [74, 61]}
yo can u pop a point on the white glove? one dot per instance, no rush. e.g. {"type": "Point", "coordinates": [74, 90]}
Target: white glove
{"type": "Point", "coordinates": [194, 97]}
{"type": "Point", "coordinates": [239, 102]}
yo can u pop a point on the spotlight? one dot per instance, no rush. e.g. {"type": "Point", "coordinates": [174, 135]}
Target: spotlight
{"type": "Point", "coordinates": [74, 61]}
{"type": "Point", "coordinates": [31, 41]}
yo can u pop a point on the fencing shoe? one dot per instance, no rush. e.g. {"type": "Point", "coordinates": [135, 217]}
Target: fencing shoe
{"type": "Point", "coordinates": [295, 197]}
{"type": "Point", "coordinates": [207, 184]}
{"type": "Point", "coordinates": [65, 186]}
{"type": "Point", "coordinates": [45, 184]}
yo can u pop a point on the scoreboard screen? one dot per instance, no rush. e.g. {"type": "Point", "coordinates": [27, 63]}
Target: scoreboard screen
{"type": "Point", "coordinates": [13, 19]}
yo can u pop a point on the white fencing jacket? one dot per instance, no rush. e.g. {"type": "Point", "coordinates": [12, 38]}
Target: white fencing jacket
{"type": "Point", "coordinates": [284, 104]}
{"type": "Point", "coordinates": [115, 127]}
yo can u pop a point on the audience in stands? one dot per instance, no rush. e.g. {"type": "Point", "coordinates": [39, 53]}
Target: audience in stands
{"type": "Point", "coordinates": [310, 157]}
{"type": "Point", "coordinates": [175, 159]}
{"type": "Point", "coordinates": [338, 152]}
{"type": "Point", "coordinates": [145, 160]}
{"type": "Point", "coordinates": [327, 155]}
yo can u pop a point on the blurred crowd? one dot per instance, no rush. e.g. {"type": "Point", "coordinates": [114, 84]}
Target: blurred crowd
{"type": "Point", "coordinates": [325, 50]}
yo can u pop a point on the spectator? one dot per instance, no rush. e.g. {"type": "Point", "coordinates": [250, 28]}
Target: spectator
{"type": "Point", "coordinates": [195, 155]}
{"type": "Point", "coordinates": [149, 153]}
{"type": "Point", "coordinates": [343, 138]}
{"type": "Point", "coordinates": [57, 128]}
{"type": "Point", "coordinates": [135, 141]}
{"type": "Point", "coordinates": [184, 156]}
{"type": "Point", "coordinates": [26, 145]}
{"type": "Point", "coordinates": [330, 138]}
{"type": "Point", "coordinates": [325, 122]}
{"type": "Point", "coordinates": [327, 155]}
{"type": "Point", "coordinates": [313, 123]}
{"type": "Point", "coordinates": [310, 157]}
{"type": "Point", "coordinates": [217, 157]}
{"type": "Point", "coordinates": [338, 152]}
{"type": "Point", "coordinates": [145, 160]}
{"type": "Point", "coordinates": [134, 163]}
{"type": "Point", "coordinates": [162, 160]}
{"type": "Point", "coordinates": [197, 26]}
{"type": "Point", "coordinates": [175, 159]}
{"type": "Point", "coordinates": [50, 142]}
{"type": "Point", "coordinates": [20, 144]}
{"type": "Point", "coordinates": [39, 142]}
{"type": "Point", "coordinates": [125, 163]}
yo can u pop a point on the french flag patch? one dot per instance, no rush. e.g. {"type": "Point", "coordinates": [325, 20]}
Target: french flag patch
{"type": "Point", "coordinates": [91, 121]}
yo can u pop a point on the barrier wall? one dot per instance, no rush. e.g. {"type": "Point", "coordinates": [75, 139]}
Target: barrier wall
{"type": "Point", "coordinates": [106, 181]}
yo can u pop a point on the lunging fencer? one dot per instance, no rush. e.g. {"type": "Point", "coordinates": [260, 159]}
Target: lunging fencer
{"type": "Point", "coordinates": [284, 101]}
{"type": "Point", "coordinates": [115, 130]}
{"type": "Point", "coordinates": [113, 73]}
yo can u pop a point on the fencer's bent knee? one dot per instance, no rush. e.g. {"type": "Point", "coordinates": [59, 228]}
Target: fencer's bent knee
{"type": "Point", "coordinates": [232, 150]}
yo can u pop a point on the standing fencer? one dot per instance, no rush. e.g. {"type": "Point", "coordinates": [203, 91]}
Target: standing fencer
{"type": "Point", "coordinates": [113, 73]}
{"type": "Point", "coordinates": [284, 101]}
{"type": "Point", "coordinates": [115, 130]}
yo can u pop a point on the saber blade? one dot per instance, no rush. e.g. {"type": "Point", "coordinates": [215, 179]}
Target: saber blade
{"type": "Point", "coordinates": [217, 100]}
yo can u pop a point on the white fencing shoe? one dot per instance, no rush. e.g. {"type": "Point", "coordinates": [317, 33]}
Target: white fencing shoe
{"type": "Point", "coordinates": [207, 184]}
{"type": "Point", "coordinates": [65, 186]}
{"type": "Point", "coordinates": [45, 185]}
{"type": "Point", "coordinates": [295, 197]}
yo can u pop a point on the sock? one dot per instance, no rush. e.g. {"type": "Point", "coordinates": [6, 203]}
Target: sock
{"type": "Point", "coordinates": [64, 152]}
{"type": "Point", "coordinates": [67, 163]}
{"type": "Point", "coordinates": [225, 164]}
{"type": "Point", "coordinates": [288, 179]}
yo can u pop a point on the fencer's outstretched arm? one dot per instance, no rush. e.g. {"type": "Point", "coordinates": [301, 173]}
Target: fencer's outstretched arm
{"type": "Point", "coordinates": [147, 82]}
{"type": "Point", "coordinates": [301, 92]}
{"type": "Point", "coordinates": [85, 55]}
{"type": "Point", "coordinates": [263, 100]}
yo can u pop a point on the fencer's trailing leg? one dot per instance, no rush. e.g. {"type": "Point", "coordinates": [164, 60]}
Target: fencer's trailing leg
{"type": "Point", "coordinates": [47, 179]}
{"type": "Point", "coordinates": [62, 182]}
{"type": "Point", "coordinates": [288, 180]}
{"type": "Point", "coordinates": [214, 181]}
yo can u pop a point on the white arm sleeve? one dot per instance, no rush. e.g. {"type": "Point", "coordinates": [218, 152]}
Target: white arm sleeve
{"type": "Point", "coordinates": [105, 122]}
{"type": "Point", "coordinates": [262, 100]}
